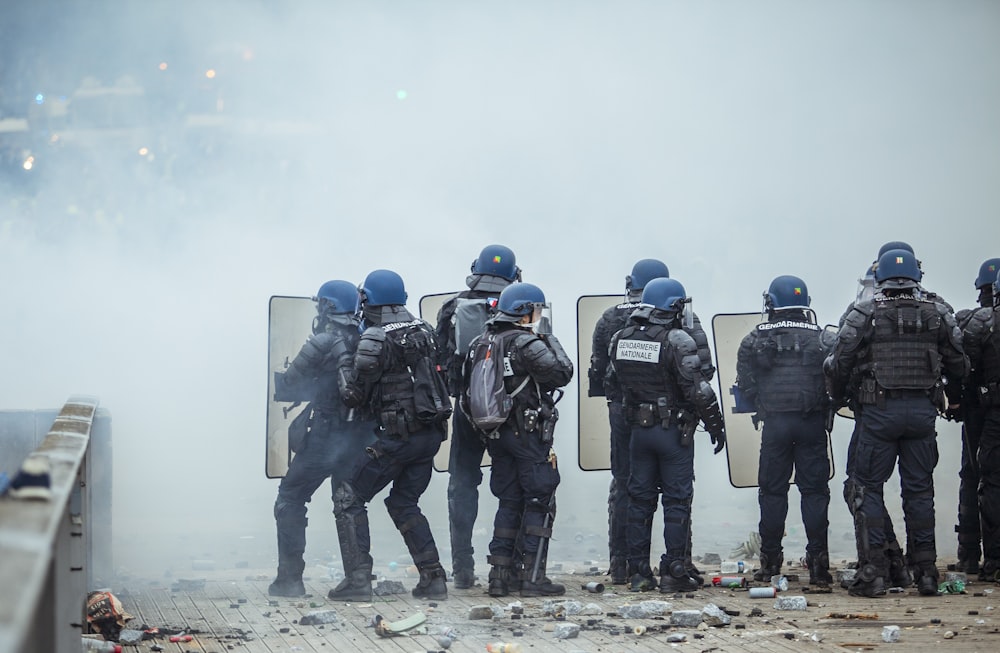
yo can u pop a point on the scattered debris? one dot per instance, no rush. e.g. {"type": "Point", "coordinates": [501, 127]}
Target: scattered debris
{"type": "Point", "coordinates": [685, 618]}
{"type": "Point", "coordinates": [890, 634]}
{"type": "Point", "coordinates": [105, 615]}
{"type": "Point", "coordinates": [852, 615]}
{"type": "Point", "coordinates": [390, 628]}
{"type": "Point", "coordinates": [481, 612]}
{"type": "Point", "coordinates": [388, 587]}
{"type": "Point", "coordinates": [715, 617]}
{"type": "Point", "coordinates": [317, 617]}
{"type": "Point", "coordinates": [790, 603]}
{"type": "Point", "coordinates": [566, 631]}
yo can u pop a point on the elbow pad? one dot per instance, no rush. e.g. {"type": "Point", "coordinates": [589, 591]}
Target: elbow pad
{"type": "Point", "coordinates": [371, 348]}
{"type": "Point", "coordinates": [708, 409]}
{"type": "Point", "coordinates": [686, 352]}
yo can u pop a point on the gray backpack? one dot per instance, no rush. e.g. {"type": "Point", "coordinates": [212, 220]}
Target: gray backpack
{"type": "Point", "coordinates": [489, 402]}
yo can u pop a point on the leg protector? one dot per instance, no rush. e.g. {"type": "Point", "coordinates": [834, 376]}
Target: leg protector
{"type": "Point", "coordinates": [534, 582]}
{"type": "Point", "coordinates": [500, 575]}
{"type": "Point", "coordinates": [642, 576]}
{"type": "Point", "coordinates": [870, 580]}
{"type": "Point", "coordinates": [819, 569]}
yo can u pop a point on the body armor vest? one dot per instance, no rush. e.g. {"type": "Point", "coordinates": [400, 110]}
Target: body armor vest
{"type": "Point", "coordinates": [638, 354]}
{"type": "Point", "coordinates": [904, 343]}
{"type": "Point", "coordinates": [990, 363]}
{"type": "Point", "coordinates": [788, 359]}
{"type": "Point", "coordinates": [408, 342]}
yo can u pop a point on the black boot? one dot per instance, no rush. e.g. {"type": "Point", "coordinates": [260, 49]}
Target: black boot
{"type": "Point", "coordinates": [819, 569]}
{"type": "Point", "coordinates": [618, 571]}
{"type": "Point", "coordinates": [770, 565]}
{"type": "Point", "coordinates": [968, 558]}
{"type": "Point", "coordinates": [432, 583]}
{"type": "Point", "coordinates": [291, 527]}
{"type": "Point", "coordinates": [677, 578]}
{"type": "Point", "coordinates": [899, 571]}
{"type": "Point", "coordinates": [290, 586]}
{"type": "Point", "coordinates": [541, 585]}
{"type": "Point", "coordinates": [499, 580]}
{"type": "Point", "coordinates": [642, 577]}
{"type": "Point", "coordinates": [870, 579]}
{"type": "Point", "coordinates": [463, 578]}
{"type": "Point", "coordinates": [357, 584]}
{"type": "Point", "coordinates": [990, 571]}
{"type": "Point", "coordinates": [925, 572]}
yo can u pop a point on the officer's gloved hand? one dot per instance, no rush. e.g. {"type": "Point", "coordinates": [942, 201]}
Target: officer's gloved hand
{"type": "Point", "coordinates": [953, 413]}
{"type": "Point", "coordinates": [719, 440]}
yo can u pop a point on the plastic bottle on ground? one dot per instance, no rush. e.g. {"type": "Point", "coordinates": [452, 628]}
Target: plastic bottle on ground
{"type": "Point", "coordinates": [503, 647]}
{"type": "Point", "coordinates": [89, 645]}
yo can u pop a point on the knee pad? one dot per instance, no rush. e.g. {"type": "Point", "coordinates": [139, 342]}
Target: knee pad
{"type": "Point", "coordinates": [344, 498]}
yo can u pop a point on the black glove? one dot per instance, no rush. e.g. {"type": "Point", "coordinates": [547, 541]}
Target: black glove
{"type": "Point", "coordinates": [719, 440]}
{"type": "Point", "coordinates": [953, 414]}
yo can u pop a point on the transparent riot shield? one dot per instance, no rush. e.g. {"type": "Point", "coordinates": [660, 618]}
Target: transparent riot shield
{"type": "Point", "coordinates": [742, 438]}
{"type": "Point", "coordinates": [430, 305]}
{"type": "Point", "coordinates": [594, 436]}
{"type": "Point", "coordinates": [289, 326]}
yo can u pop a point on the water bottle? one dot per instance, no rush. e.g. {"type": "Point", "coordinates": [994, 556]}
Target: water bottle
{"type": "Point", "coordinates": [90, 645]}
{"type": "Point", "coordinates": [503, 647]}
{"type": "Point", "coordinates": [731, 567]}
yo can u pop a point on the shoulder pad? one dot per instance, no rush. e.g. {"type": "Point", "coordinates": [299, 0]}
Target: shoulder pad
{"type": "Point", "coordinates": [682, 342]}
{"type": "Point", "coordinates": [859, 314]}
{"type": "Point", "coordinates": [374, 333]}
{"type": "Point", "coordinates": [980, 320]}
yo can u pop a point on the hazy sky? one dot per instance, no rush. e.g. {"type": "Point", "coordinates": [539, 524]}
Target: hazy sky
{"type": "Point", "coordinates": [734, 140]}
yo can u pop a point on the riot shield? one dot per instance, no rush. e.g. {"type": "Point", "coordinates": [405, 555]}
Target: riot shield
{"type": "Point", "coordinates": [289, 326]}
{"type": "Point", "coordinates": [430, 305]}
{"type": "Point", "coordinates": [594, 437]}
{"type": "Point", "coordinates": [742, 438]}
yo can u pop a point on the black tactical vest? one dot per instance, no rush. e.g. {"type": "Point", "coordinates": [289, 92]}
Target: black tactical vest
{"type": "Point", "coordinates": [788, 360]}
{"type": "Point", "coordinates": [408, 342]}
{"type": "Point", "coordinates": [637, 354]}
{"type": "Point", "coordinates": [990, 364]}
{"type": "Point", "coordinates": [904, 343]}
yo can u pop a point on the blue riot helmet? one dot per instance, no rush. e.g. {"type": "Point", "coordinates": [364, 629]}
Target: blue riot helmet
{"type": "Point", "coordinates": [644, 271]}
{"type": "Point", "coordinates": [668, 295]}
{"type": "Point", "coordinates": [893, 244]}
{"type": "Point", "coordinates": [996, 291]}
{"type": "Point", "coordinates": [787, 292]}
{"type": "Point", "coordinates": [988, 273]}
{"type": "Point", "coordinates": [498, 261]}
{"type": "Point", "coordinates": [337, 297]}
{"type": "Point", "coordinates": [898, 244]}
{"type": "Point", "coordinates": [383, 288]}
{"type": "Point", "coordinates": [897, 268]}
{"type": "Point", "coordinates": [523, 299]}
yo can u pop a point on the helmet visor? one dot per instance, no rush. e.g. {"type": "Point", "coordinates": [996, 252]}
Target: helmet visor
{"type": "Point", "coordinates": [687, 313]}
{"type": "Point", "coordinates": [541, 318]}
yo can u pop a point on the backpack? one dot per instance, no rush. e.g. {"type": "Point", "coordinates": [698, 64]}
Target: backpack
{"type": "Point", "coordinates": [489, 402]}
{"type": "Point", "coordinates": [469, 319]}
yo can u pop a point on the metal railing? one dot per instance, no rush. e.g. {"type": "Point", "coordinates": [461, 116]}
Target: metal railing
{"type": "Point", "coordinates": [47, 546]}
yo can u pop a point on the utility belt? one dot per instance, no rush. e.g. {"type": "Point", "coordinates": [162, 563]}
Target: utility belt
{"type": "Point", "coordinates": [396, 423]}
{"type": "Point", "coordinates": [989, 394]}
{"type": "Point", "coordinates": [873, 394]}
{"type": "Point", "coordinates": [539, 421]}
{"type": "Point", "coordinates": [649, 414]}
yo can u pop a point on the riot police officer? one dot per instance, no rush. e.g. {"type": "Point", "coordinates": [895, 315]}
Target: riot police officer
{"type": "Point", "coordinates": [968, 527]}
{"type": "Point", "coordinates": [899, 345]}
{"type": "Point", "coordinates": [612, 320]}
{"type": "Point", "coordinates": [395, 375]}
{"type": "Point", "coordinates": [524, 474]}
{"type": "Point", "coordinates": [331, 433]}
{"type": "Point", "coordinates": [655, 363]}
{"type": "Point", "coordinates": [779, 369]}
{"type": "Point", "coordinates": [981, 339]}
{"type": "Point", "coordinates": [459, 321]}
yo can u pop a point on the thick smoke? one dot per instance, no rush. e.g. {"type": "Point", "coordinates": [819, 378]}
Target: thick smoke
{"type": "Point", "coordinates": [287, 143]}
